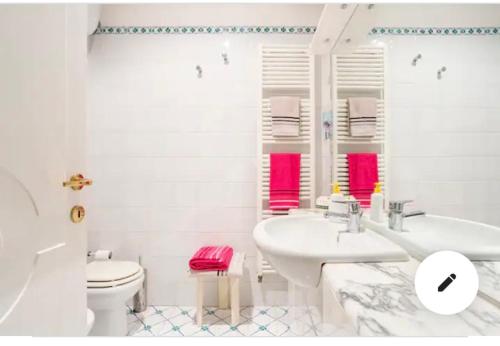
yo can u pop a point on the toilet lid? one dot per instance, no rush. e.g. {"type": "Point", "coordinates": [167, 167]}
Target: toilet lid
{"type": "Point", "coordinates": [108, 271]}
{"type": "Point", "coordinates": [114, 283]}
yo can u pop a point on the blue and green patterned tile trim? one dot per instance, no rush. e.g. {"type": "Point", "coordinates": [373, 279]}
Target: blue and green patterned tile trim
{"type": "Point", "coordinates": [187, 30]}
{"type": "Point", "coordinates": [436, 31]}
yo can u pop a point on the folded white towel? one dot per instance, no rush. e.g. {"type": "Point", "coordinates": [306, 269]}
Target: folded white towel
{"type": "Point", "coordinates": [362, 116]}
{"type": "Point", "coordinates": [285, 116]}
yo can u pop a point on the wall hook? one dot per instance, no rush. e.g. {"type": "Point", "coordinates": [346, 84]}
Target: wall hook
{"type": "Point", "coordinates": [199, 70]}
{"type": "Point", "coordinates": [440, 72]}
{"type": "Point", "coordinates": [225, 58]}
{"type": "Point", "coordinates": [415, 59]}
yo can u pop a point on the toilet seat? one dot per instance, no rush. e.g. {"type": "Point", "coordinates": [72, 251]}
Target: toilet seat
{"type": "Point", "coordinates": [105, 274]}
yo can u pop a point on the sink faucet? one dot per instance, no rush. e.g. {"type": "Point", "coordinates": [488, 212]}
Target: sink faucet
{"type": "Point", "coordinates": [353, 216]}
{"type": "Point", "coordinates": [396, 214]}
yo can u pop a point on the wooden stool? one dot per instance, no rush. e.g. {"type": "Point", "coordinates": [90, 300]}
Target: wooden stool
{"type": "Point", "coordinates": [226, 293]}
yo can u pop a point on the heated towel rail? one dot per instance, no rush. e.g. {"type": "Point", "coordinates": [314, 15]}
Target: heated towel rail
{"type": "Point", "coordinates": [361, 73]}
{"type": "Point", "coordinates": [286, 70]}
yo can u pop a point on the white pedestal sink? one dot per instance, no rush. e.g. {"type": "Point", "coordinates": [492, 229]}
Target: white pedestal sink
{"type": "Point", "coordinates": [298, 245]}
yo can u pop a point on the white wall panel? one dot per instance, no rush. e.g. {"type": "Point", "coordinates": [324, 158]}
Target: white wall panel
{"type": "Point", "coordinates": [445, 134]}
{"type": "Point", "coordinates": [173, 156]}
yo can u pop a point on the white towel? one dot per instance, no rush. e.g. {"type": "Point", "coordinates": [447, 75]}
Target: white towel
{"type": "Point", "coordinates": [362, 116]}
{"type": "Point", "coordinates": [285, 116]}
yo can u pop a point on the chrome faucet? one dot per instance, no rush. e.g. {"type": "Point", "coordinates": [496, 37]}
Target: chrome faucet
{"type": "Point", "coordinates": [353, 216]}
{"type": "Point", "coordinates": [396, 214]}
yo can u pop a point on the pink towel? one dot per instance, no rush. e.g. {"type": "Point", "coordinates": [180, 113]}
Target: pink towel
{"type": "Point", "coordinates": [363, 174]}
{"type": "Point", "coordinates": [284, 185]}
{"type": "Point", "coordinates": [211, 258]}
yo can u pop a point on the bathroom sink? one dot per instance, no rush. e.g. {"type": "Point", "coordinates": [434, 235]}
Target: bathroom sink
{"type": "Point", "coordinates": [298, 245]}
{"type": "Point", "coordinates": [426, 234]}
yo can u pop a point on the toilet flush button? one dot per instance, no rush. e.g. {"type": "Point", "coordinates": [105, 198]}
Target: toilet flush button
{"type": "Point", "coordinates": [446, 282]}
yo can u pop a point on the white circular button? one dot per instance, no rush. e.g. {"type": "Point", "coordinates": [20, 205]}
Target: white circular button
{"type": "Point", "coordinates": [446, 282]}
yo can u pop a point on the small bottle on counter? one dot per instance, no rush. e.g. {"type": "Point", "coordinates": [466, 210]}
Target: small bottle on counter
{"type": "Point", "coordinates": [336, 196]}
{"type": "Point", "coordinates": [377, 204]}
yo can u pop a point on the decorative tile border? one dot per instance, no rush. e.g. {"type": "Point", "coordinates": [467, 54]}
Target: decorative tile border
{"type": "Point", "coordinates": [187, 30]}
{"type": "Point", "coordinates": [298, 30]}
{"type": "Point", "coordinates": [436, 31]}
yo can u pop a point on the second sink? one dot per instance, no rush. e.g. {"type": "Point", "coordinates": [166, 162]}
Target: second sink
{"type": "Point", "coordinates": [298, 245]}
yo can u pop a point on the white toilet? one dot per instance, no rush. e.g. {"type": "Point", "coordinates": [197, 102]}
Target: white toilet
{"type": "Point", "coordinates": [110, 284]}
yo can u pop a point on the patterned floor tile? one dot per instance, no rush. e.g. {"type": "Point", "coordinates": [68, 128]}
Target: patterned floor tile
{"type": "Point", "coordinates": [233, 331]}
{"type": "Point", "coordinates": [131, 317]}
{"type": "Point", "coordinates": [154, 318]}
{"type": "Point", "coordinates": [219, 329]}
{"type": "Point", "coordinates": [262, 332]}
{"type": "Point", "coordinates": [191, 310]}
{"type": "Point", "coordinates": [222, 314]}
{"type": "Point", "coordinates": [254, 321]}
{"type": "Point", "coordinates": [189, 329]}
{"type": "Point", "coordinates": [173, 332]}
{"type": "Point", "coordinates": [250, 311]}
{"type": "Point", "coordinates": [143, 332]}
{"type": "Point", "coordinates": [248, 328]}
{"type": "Point", "coordinates": [241, 321]}
{"type": "Point", "coordinates": [180, 320]}
{"type": "Point", "coordinates": [277, 328]}
{"type": "Point", "coordinates": [262, 318]}
{"type": "Point", "coordinates": [203, 333]}
{"type": "Point", "coordinates": [161, 328]}
{"type": "Point", "coordinates": [169, 311]}
{"type": "Point", "coordinates": [135, 327]}
{"type": "Point", "coordinates": [210, 316]}
{"type": "Point", "coordinates": [277, 312]}
{"type": "Point", "coordinates": [151, 310]}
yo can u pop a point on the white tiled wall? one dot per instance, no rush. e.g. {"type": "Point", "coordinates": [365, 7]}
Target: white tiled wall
{"type": "Point", "coordinates": [445, 134]}
{"type": "Point", "coordinates": [173, 156]}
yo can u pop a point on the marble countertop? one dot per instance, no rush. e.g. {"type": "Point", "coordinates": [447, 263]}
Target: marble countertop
{"type": "Point", "coordinates": [380, 300]}
{"type": "Point", "coordinates": [488, 271]}
{"type": "Point", "coordinates": [489, 280]}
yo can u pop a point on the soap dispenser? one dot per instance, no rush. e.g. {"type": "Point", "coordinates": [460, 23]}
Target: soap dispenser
{"type": "Point", "coordinates": [377, 204]}
{"type": "Point", "coordinates": [336, 196]}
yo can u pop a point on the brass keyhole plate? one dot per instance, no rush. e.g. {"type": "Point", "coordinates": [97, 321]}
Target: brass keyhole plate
{"type": "Point", "coordinates": [77, 214]}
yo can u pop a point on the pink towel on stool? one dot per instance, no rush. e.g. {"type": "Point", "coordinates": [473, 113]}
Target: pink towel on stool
{"type": "Point", "coordinates": [363, 174]}
{"type": "Point", "coordinates": [284, 181]}
{"type": "Point", "coordinates": [211, 258]}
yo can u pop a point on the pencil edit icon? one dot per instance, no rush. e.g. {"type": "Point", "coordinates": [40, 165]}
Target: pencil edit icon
{"type": "Point", "coordinates": [446, 282]}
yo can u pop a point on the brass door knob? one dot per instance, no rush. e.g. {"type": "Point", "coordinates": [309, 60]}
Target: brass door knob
{"type": "Point", "coordinates": [77, 182]}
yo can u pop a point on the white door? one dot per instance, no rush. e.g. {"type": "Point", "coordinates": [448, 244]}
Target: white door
{"type": "Point", "coordinates": [42, 119]}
